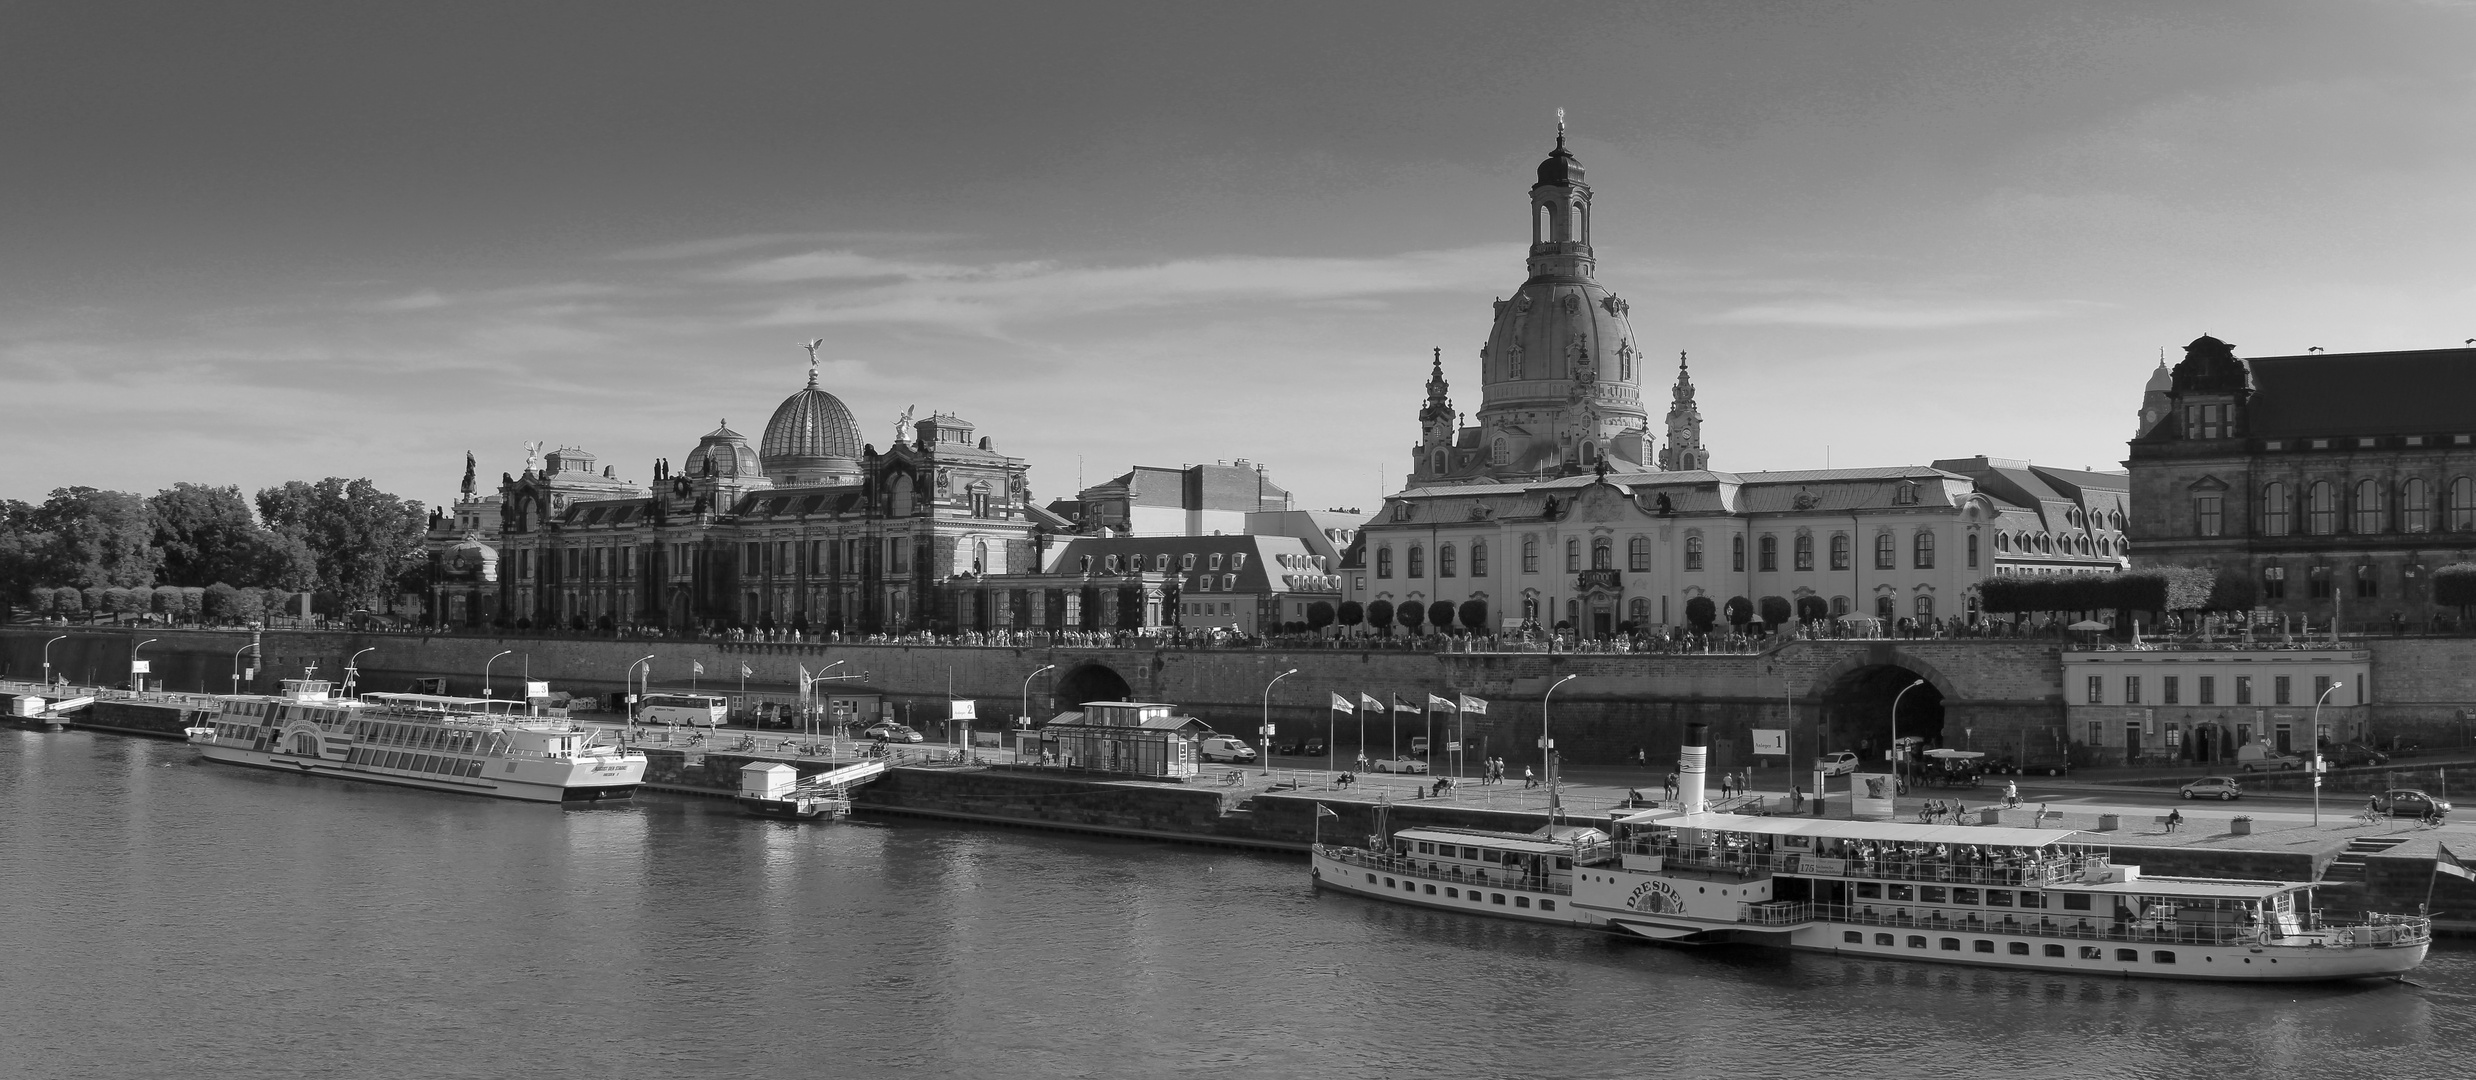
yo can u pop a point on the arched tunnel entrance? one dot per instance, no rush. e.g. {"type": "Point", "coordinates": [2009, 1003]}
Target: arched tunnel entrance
{"type": "Point", "coordinates": [1089, 682]}
{"type": "Point", "coordinates": [1857, 711]}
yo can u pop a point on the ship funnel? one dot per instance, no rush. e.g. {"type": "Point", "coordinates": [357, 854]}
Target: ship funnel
{"type": "Point", "coordinates": [1690, 766]}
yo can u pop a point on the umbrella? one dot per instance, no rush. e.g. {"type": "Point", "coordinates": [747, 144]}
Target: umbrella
{"type": "Point", "coordinates": [1955, 755]}
{"type": "Point", "coordinates": [2088, 624]}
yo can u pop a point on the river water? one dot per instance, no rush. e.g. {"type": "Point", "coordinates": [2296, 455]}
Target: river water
{"type": "Point", "coordinates": [164, 917]}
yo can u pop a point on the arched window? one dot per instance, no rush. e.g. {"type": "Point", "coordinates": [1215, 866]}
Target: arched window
{"type": "Point", "coordinates": [2369, 516]}
{"type": "Point", "coordinates": [1437, 463]}
{"type": "Point", "coordinates": [1693, 553]}
{"type": "Point", "coordinates": [1384, 562]}
{"type": "Point", "coordinates": [1839, 553]}
{"type": "Point", "coordinates": [1768, 553]}
{"type": "Point", "coordinates": [1805, 551]}
{"type": "Point", "coordinates": [1638, 554]}
{"type": "Point", "coordinates": [1883, 608]}
{"type": "Point", "coordinates": [1444, 560]}
{"type": "Point", "coordinates": [980, 557]}
{"type": "Point", "coordinates": [1530, 555]}
{"type": "Point", "coordinates": [1736, 554]}
{"type": "Point", "coordinates": [2277, 510]}
{"type": "Point", "coordinates": [1925, 606]}
{"type": "Point", "coordinates": [2415, 506]}
{"type": "Point", "coordinates": [1602, 554]}
{"type": "Point", "coordinates": [1478, 558]}
{"type": "Point", "coordinates": [1499, 452]}
{"type": "Point", "coordinates": [2462, 504]}
{"type": "Point", "coordinates": [1639, 612]}
{"type": "Point", "coordinates": [1573, 555]}
{"type": "Point", "coordinates": [1972, 551]}
{"type": "Point", "coordinates": [2003, 540]}
{"type": "Point", "coordinates": [1590, 452]}
{"type": "Point", "coordinates": [1418, 561]}
{"type": "Point", "coordinates": [1886, 552]}
{"type": "Point", "coordinates": [1839, 606]}
{"type": "Point", "coordinates": [2321, 509]}
{"type": "Point", "coordinates": [1922, 557]}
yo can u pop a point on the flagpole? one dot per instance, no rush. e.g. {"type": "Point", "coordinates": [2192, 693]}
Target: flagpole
{"type": "Point", "coordinates": [1392, 717]}
{"type": "Point", "coordinates": [1461, 745]}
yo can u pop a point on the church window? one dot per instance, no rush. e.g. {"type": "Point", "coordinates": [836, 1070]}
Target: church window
{"type": "Point", "coordinates": [1530, 555]}
{"type": "Point", "coordinates": [2415, 506]}
{"type": "Point", "coordinates": [1885, 552]}
{"type": "Point", "coordinates": [1437, 465]}
{"type": "Point", "coordinates": [1418, 561]}
{"type": "Point", "coordinates": [2462, 504]}
{"type": "Point", "coordinates": [2321, 508]}
{"type": "Point", "coordinates": [1839, 552]}
{"type": "Point", "coordinates": [980, 557]}
{"type": "Point", "coordinates": [1638, 554]}
{"type": "Point", "coordinates": [2206, 515]}
{"type": "Point", "coordinates": [1922, 557]}
{"type": "Point", "coordinates": [1805, 551]}
{"type": "Point", "coordinates": [1478, 558]}
{"type": "Point", "coordinates": [1770, 553]}
{"type": "Point", "coordinates": [2368, 507]}
{"type": "Point", "coordinates": [1573, 556]}
{"type": "Point", "coordinates": [1384, 562]}
{"type": "Point", "coordinates": [2277, 510]}
{"type": "Point", "coordinates": [1693, 553]}
{"type": "Point", "coordinates": [1736, 554]}
{"type": "Point", "coordinates": [1444, 560]}
{"type": "Point", "coordinates": [1972, 551]}
{"type": "Point", "coordinates": [1499, 452]}
{"type": "Point", "coordinates": [1513, 361]}
{"type": "Point", "coordinates": [1602, 554]}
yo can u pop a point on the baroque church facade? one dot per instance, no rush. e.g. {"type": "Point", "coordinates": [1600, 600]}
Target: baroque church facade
{"type": "Point", "coordinates": [1562, 506]}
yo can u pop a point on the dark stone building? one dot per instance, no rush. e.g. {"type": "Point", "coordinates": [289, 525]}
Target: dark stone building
{"type": "Point", "coordinates": [2333, 483]}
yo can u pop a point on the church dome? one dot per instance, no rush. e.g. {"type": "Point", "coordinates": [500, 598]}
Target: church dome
{"type": "Point", "coordinates": [1561, 167]}
{"type": "Point", "coordinates": [723, 453]}
{"type": "Point", "coordinates": [2160, 381]}
{"type": "Point", "coordinates": [811, 439]}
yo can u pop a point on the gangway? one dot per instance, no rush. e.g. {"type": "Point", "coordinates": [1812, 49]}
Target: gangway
{"type": "Point", "coordinates": [774, 789]}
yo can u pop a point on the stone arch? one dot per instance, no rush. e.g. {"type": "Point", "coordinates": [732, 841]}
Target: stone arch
{"type": "Point", "coordinates": [1858, 692]}
{"type": "Point", "coordinates": [1090, 681]}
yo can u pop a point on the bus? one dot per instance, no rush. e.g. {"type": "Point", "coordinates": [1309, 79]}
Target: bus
{"type": "Point", "coordinates": [707, 710]}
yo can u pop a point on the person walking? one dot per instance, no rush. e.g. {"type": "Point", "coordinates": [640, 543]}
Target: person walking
{"type": "Point", "coordinates": [1671, 790]}
{"type": "Point", "coordinates": [2011, 793]}
{"type": "Point", "coordinates": [1642, 757]}
{"type": "Point", "coordinates": [1528, 780]}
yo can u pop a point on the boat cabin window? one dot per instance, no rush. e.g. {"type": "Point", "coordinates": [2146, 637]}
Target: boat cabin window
{"type": "Point", "coordinates": [2076, 901]}
{"type": "Point", "coordinates": [2032, 900]}
{"type": "Point", "coordinates": [1904, 892]}
{"type": "Point", "coordinates": [1964, 896]}
{"type": "Point", "coordinates": [1998, 898]}
{"type": "Point", "coordinates": [1427, 847]}
{"type": "Point", "coordinates": [1491, 855]}
{"type": "Point", "coordinates": [1932, 894]}
{"type": "Point", "coordinates": [1872, 890]}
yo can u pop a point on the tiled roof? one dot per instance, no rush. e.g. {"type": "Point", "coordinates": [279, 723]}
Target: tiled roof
{"type": "Point", "coordinates": [2371, 393]}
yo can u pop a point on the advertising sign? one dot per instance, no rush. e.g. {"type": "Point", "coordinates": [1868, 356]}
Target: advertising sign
{"type": "Point", "coordinates": [140, 667]}
{"type": "Point", "coordinates": [1773, 741]}
{"type": "Point", "coordinates": [1871, 796]}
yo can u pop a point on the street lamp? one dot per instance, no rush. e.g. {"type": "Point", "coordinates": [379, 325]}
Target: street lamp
{"type": "Point", "coordinates": [236, 665]}
{"type": "Point", "coordinates": [1547, 746]}
{"type": "Point", "coordinates": [627, 683]}
{"type": "Point", "coordinates": [2317, 762]}
{"type": "Point", "coordinates": [809, 691]}
{"type": "Point", "coordinates": [1026, 714]}
{"type": "Point", "coordinates": [137, 682]}
{"type": "Point", "coordinates": [352, 675]}
{"type": "Point", "coordinates": [1266, 729]}
{"type": "Point", "coordinates": [1899, 760]}
{"type": "Point", "coordinates": [485, 670]}
{"type": "Point", "coordinates": [47, 657]}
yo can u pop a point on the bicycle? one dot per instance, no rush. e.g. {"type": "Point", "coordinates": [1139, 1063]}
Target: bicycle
{"type": "Point", "coordinates": [2370, 816]}
{"type": "Point", "coordinates": [2432, 819]}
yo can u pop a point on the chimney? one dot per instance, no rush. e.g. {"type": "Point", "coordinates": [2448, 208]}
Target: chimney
{"type": "Point", "coordinates": [1691, 763]}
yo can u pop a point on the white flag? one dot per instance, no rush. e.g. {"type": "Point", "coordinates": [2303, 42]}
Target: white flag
{"type": "Point", "coordinates": [1369, 701]}
{"type": "Point", "coordinates": [1434, 702]}
{"type": "Point", "coordinates": [744, 672]}
{"type": "Point", "coordinates": [1474, 705]}
{"type": "Point", "coordinates": [697, 666]}
{"type": "Point", "coordinates": [803, 684]}
{"type": "Point", "coordinates": [1340, 704]}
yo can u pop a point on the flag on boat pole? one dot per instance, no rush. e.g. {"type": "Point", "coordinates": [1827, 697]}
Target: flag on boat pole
{"type": "Point", "coordinates": [1321, 812]}
{"type": "Point", "coordinates": [2444, 863]}
{"type": "Point", "coordinates": [1324, 811]}
{"type": "Point", "coordinates": [1474, 705]}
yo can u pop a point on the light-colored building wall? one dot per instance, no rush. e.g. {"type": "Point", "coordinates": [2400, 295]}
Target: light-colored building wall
{"type": "Point", "coordinates": [2203, 703]}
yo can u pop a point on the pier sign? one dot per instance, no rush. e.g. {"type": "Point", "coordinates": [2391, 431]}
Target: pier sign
{"type": "Point", "coordinates": [1771, 741]}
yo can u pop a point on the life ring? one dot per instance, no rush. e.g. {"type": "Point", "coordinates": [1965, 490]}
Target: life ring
{"type": "Point", "coordinates": [2347, 937]}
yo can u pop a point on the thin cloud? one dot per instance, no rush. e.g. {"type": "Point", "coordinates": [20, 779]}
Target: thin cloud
{"type": "Point", "coordinates": [1882, 315]}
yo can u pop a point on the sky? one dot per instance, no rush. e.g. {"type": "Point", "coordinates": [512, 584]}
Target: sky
{"type": "Point", "coordinates": [241, 244]}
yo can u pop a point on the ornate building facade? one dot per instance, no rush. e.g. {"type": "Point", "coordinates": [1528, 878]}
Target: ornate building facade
{"type": "Point", "coordinates": [809, 530]}
{"type": "Point", "coordinates": [2335, 482]}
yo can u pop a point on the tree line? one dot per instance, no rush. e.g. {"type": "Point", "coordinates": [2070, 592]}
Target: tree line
{"type": "Point", "coordinates": [194, 552]}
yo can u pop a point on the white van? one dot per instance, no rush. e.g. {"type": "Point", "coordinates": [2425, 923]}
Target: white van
{"type": "Point", "coordinates": [1225, 748]}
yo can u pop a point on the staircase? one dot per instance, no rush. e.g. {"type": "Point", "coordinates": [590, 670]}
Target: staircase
{"type": "Point", "coordinates": [2349, 865]}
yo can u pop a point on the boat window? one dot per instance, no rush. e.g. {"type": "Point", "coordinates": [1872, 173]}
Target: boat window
{"type": "Point", "coordinates": [2075, 901]}
{"type": "Point", "coordinates": [2163, 956]}
{"type": "Point", "coordinates": [2032, 900]}
{"type": "Point", "coordinates": [1983, 945]}
{"type": "Point", "coordinates": [1964, 896]}
{"type": "Point", "coordinates": [1852, 937]}
{"type": "Point", "coordinates": [1452, 893]}
{"type": "Point", "coordinates": [2052, 950]}
{"type": "Point", "coordinates": [1491, 855]}
{"type": "Point", "coordinates": [1470, 853]}
{"type": "Point", "coordinates": [1882, 939]}
{"type": "Point", "coordinates": [1547, 905]}
{"type": "Point", "coordinates": [2092, 952]}
{"type": "Point", "coordinates": [1564, 863]}
{"type": "Point", "coordinates": [1371, 879]}
{"type": "Point", "coordinates": [1431, 890]}
{"type": "Point", "coordinates": [1951, 944]}
{"type": "Point", "coordinates": [1521, 901]}
{"type": "Point", "coordinates": [1917, 941]}
{"type": "Point", "coordinates": [1496, 898]}
{"type": "Point", "coordinates": [1871, 890]}
{"type": "Point", "coordinates": [1932, 894]}
{"type": "Point", "coordinates": [2020, 948]}
{"type": "Point", "coordinates": [1998, 898]}
{"type": "Point", "coordinates": [1904, 892]}
{"type": "Point", "coordinates": [2128, 956]}
{"type": "Point", "coordinates": [1426, 847]}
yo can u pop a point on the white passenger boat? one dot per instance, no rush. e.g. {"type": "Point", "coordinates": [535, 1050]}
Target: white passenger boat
{"type": "Point", "coordinates": [1985, 895]}
{"type": "Point", "coordinates": [473, 746]}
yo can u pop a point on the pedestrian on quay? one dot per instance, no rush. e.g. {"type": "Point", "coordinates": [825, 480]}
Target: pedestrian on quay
{"type": "Point", "coordinates": [2011, 793]}
{"type": "Point", "coordinates": [1727, 786]}
{"type": "Point", "coordinates": [1642, 757]}
{"type": "Point", "coordinates": [1528, 780]}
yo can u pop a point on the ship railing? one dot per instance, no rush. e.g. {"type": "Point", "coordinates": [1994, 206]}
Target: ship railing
{"type": "Point", "coordinates": [2378, 929]}
{"type": "Point", "coordinates": [1411, 868]}
{"type": "Point", "coordinates": [1775, 912]}
{"type": "Point", "coordinates": [1729, 861]}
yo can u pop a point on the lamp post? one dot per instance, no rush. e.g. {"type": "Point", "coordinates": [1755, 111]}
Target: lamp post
{"type": "Point", "coordinates": [236, 665]}
{"type": "Point", "coordinates": [352, 674]}
{"type": "Point", "coordinates": [1024, 718]}
{"type": "Point", "coordinates": [47, 657]}
{"type": "Point", "coordinates": [1266, 729]}
{"type": "Point", "coordinates": [485, 670]}
{"type": "Point", "coordinates": [1547, 746]}
{"type": "Point", "coordinates": [137, 681]}
{"type": "Point", "coordinates": [1899, 759]}
{"type": "Point", "coordinates": [627, 682]}
{"type": "Point", "coordinates": [2317, 762]}
{"type": "Point", "coordinates": [809, 692]}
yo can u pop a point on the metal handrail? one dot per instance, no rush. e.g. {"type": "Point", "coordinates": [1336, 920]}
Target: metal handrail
{"type": "Point", "coordinates": [1410, 869]}
{"type": "Point", "coordinates": [2390, 929]}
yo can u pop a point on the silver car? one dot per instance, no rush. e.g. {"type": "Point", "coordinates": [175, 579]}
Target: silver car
{"type": "Point", "coordinates": [2221, 788]}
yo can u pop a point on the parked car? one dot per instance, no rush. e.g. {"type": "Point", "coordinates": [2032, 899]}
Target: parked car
{"type": "Point", "coordinates": [1409, 765]}
{"type": "Point", "coordinates": [894, 733]}
{"type": "Point", "coordinates": [2408, 802]}
{"type": "Point", "coordinates": [1840, 764]}
{"type": "Point", "coordinates": [2222, 788]}
{"type": "Point", "coordinates": [1225, 748]}
{"type": "Point", "coordinates": [2268, 760]}
{"type": "Point", "coordinates": [2350, 755]}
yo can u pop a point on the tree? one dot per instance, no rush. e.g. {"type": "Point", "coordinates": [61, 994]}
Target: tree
{"type": "Point", "coordinates": [1319, 616]}
{"type": "Point", "coordinates": [1410, 614]}
{"type": "Point", "coordinates": [358, 537]}
{"type": "Point", "coordinates": [1775, 609]}
{"type": "Point", "coordinates": [220, 604]}
{"type": "Point", "coordinates": [209, 534]}
{"type": "Point", "coordinates": [68, 601]}
{"type": "Point", "coordinates": [165, 600]}
{"type": "Point", "coordinates": [1380, 616]}
{"type": "Point", "coordinates": [1351, 613]}
{"type": "Point", "coordinates": [1740, 611]}
{"type": "Point", "coordinates": [1474, 616]}
{"type": "Point", "coordinates": [1702, 614]}
{"type": "Point", "coordinates": [90, 537]}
